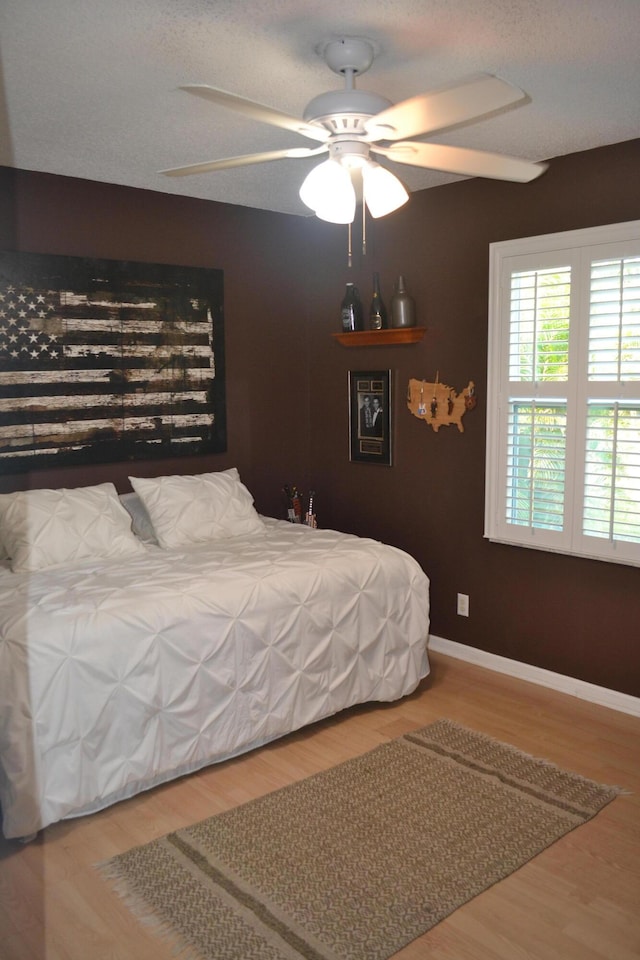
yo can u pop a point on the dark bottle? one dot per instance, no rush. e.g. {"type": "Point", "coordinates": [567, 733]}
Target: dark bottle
{"type": "Point", "coordinates": [351, 310]}
{"type": "Point", "coordinates": [403, 308]}
{"type": "Point", "coordinates": [377, 311]}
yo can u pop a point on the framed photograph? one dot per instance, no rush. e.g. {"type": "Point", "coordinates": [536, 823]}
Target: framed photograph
{"type": "Point", "coordinates": [370, 416]}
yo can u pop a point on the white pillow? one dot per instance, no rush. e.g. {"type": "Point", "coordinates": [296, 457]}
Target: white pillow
{"type": "Point", "coordinates": [194, 509]}
{"type": "Point", "coordinates": [44, 528]}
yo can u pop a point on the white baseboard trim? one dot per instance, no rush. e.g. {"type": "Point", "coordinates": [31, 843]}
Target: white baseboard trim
{"type": "Point", "coordinates": [545, 678]}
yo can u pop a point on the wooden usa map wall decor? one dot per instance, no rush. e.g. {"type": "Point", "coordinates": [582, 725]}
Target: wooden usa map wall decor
{"type": "Point", "coordinates": [106, 360]}
{"type": "Point", "coordinates": [438, 404]}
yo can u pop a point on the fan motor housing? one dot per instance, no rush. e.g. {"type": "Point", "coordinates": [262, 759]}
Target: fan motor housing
{"type": "Point", "coordinates": [345, 111]}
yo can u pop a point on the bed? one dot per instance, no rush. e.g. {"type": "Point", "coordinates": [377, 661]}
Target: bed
{"type": "Point", "coordinates": [145, 636]}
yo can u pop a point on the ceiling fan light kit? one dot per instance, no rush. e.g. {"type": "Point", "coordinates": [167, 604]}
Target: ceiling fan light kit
{"type": "Point", "coordinates": [329, 188]}
{"type": "Point", "coordinates": [352, 125]}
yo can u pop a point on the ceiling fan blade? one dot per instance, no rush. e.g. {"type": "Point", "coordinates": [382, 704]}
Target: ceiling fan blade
{"type": "Point", "coordinates": [210, 165]}
{"type": "Point", "coordinates": [257, 111]}
{"type": "Point", "coordinates": [446, 107]}
{"type": "Point", "coordinates": [467, 163]}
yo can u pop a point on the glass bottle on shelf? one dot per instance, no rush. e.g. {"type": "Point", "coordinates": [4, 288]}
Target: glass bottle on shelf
{"type": "Point", "coordinates": [377, 311]}
{"type": "Point", "coordinates": [403, 308]}
{"type": "Point", "coordinates": [351, 310]}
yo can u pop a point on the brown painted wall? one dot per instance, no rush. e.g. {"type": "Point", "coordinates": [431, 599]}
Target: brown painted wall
{"type": "Point", "coordinates": [287, 381]}
{"type": "Point", "coordinates": [266, 339]}
{"type": "Point", "coordinates": [577, 617]}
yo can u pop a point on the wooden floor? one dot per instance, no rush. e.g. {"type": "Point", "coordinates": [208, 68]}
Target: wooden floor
{"type": "Point", "coordinates": [579, 900]}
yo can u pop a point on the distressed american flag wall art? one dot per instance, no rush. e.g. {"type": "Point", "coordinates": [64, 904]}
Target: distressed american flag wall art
{"type": "Point", "coordinates": [105, 360]}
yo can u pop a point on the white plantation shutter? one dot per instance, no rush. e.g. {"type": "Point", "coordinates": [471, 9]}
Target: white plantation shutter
{"type": "Point", "coordinates": [612, 473]}
{"type": "Point", "coordinates": [539, 325]}
{"type": "Point", "coordinates": [614, 320]}
{"type": "Point", "coordinates": [563, 415]}
{"type": "Point", "coordinates": [611, 510]}
{"type": "Point", "coordinates": [539, 302]}
{"type": "Point", "coordinates": [536, 464]}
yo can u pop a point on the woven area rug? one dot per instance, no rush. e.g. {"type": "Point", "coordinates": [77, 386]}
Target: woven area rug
{"type": "Point", "coordinates": [355, 862]}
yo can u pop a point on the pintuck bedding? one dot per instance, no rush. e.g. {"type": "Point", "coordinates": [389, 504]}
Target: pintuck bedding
{"type": "Point", "coordinates": [205, 632]}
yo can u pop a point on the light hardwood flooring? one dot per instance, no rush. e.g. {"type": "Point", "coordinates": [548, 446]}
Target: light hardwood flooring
{"type": "Point", "coordinates": [579, 900]}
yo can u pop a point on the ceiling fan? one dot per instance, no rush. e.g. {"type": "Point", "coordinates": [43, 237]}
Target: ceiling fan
{"type": "Point", "coordinates": [353, 126]}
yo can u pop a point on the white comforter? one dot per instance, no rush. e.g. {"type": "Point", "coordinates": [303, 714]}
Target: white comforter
{"type": "Point", "coordinates": [117, 676]}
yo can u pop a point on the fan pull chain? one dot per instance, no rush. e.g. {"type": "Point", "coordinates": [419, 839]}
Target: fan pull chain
{"type": "Point", "coordinates": [349, 250]}
{"type": "Point", "coordinates": [364, 231]}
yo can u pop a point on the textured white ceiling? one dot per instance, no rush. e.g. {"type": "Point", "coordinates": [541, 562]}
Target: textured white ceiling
{"type": "Point", "coordinates": [90, 86]}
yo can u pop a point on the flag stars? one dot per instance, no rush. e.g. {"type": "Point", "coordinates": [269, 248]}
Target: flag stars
{"type": "Point", "coordinates": [22, 298]}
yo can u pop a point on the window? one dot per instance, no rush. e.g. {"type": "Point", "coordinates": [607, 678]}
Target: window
{"type": "Point", "coordinates": [563, 399]}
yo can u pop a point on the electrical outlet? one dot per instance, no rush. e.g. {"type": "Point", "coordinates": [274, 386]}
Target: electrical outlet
{"type": "Point", "coordinates": [463, 605]}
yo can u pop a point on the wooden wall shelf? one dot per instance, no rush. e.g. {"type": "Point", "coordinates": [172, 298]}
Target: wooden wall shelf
{"type": "Point", "coordinates": [370, 338]}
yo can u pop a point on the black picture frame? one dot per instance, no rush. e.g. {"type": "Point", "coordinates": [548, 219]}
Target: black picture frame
{"type": "Point", "coordinates": [106, 361]}
{"type": "Point", "coordinates": [370, 439]}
